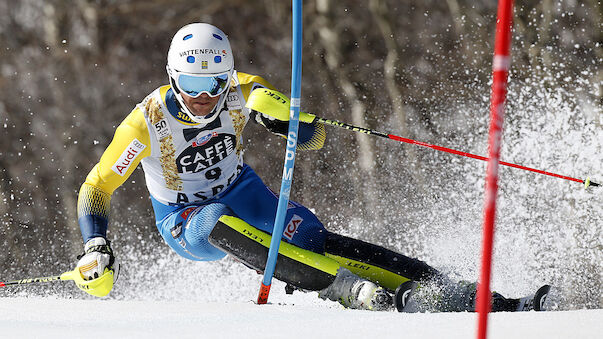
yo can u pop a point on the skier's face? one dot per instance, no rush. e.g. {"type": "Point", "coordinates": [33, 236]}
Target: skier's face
{"type": "Point", "coordinates": [201, 105]}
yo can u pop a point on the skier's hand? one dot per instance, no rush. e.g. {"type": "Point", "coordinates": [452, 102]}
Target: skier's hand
{"type": "Point", "coordinates": [261, 116]}
{"type": "Point", "coordinates": [96, 258]}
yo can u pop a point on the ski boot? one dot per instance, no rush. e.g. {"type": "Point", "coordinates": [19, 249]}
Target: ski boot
{"type": "Point", "coordinates": [357, 293]}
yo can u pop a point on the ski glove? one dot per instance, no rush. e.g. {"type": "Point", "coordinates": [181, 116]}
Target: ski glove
{"type": "Point", "coordinates": [97, 257]}
{"type": "Point", "coordinates": [272, 124]}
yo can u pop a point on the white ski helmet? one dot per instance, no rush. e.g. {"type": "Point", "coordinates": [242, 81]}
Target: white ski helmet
{"type": "Point", "coordinates": [200, 61]}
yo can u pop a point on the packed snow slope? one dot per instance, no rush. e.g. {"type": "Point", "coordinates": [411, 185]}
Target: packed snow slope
{"type": "Point", "coordinates": [69, 318]}
{"type": "Point", "coordinates": [165, 296]}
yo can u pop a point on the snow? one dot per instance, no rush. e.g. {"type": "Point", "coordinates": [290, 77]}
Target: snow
{"type": "Point", "coordinates": [165, 296]}
{"type": "Point", "coordinates": [59, 318]}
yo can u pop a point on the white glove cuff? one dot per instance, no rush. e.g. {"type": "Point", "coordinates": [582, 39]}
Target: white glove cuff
{"type": "Point", "coordinates": [98, 241]}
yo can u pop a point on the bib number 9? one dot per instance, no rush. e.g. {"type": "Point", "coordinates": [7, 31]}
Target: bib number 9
{"type": "Point", "coordinates": [213, 173]}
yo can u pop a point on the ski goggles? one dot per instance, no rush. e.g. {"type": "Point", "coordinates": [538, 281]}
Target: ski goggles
{"type": "Point", "coordinates": [196, 84]}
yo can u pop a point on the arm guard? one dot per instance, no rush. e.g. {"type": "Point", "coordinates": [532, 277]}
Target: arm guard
{"type": "Point", "coordinates": [93, 211]}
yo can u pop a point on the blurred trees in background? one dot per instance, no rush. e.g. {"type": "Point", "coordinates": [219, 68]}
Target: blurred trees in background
{"type": "Point", "coordinates": [70, 71]}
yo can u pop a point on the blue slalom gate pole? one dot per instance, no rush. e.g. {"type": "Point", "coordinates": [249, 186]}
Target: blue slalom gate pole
{"type": "Point", "coordinates": [283, 200]}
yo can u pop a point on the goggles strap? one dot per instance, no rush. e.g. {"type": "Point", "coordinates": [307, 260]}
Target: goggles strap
{"type": "Point", "coordinates": [173, 84]}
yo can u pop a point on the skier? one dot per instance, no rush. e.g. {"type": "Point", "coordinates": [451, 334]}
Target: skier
{"type": "Point", "coordinates": [208, 203]}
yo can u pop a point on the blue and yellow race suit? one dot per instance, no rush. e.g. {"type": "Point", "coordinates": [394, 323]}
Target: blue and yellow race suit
{"type": "Point", "coordinates": [189, 165]}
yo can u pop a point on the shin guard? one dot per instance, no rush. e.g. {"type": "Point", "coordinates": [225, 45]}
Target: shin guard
{"type": "Point", "coordinates": [296, 266]}
{"type": "Point", "coordinates": [387, 268]}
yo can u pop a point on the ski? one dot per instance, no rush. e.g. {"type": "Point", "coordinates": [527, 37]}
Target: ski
{"type": "Point", "coordinates": [536, 302]}
{"type": "Point", "coordinates": [403, 294]}
{"type": "Point", "coordinates": [408, 300]}
{"type": "Point", "coordinates": [541, 297]}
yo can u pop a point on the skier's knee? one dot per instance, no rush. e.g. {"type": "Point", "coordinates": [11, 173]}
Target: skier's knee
{"type": "Point", "coordinates": [186, 231]}
{"type": "Point", "coordinates": [198, 225]}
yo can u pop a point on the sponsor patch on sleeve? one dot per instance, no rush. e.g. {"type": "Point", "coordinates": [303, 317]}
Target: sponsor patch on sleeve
{"type": "Point", "coordinates": [126, 159]}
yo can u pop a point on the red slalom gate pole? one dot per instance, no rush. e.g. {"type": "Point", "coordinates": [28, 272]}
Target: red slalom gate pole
{"type": "Point", "coordinates": [500, 71]}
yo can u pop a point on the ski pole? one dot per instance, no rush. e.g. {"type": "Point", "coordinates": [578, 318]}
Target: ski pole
{"type": "Point", "coordinates": [275, 104]}
{"type": "Point", "coordinates": [64, 276]}
{"type": "Point", "coordinates": [587, 182]}
{"type": "Point", "coordinates": [98, 287]}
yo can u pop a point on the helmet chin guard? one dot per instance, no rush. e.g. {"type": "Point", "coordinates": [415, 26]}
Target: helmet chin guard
{"type": "Point", "coordinates": [202, 51]}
